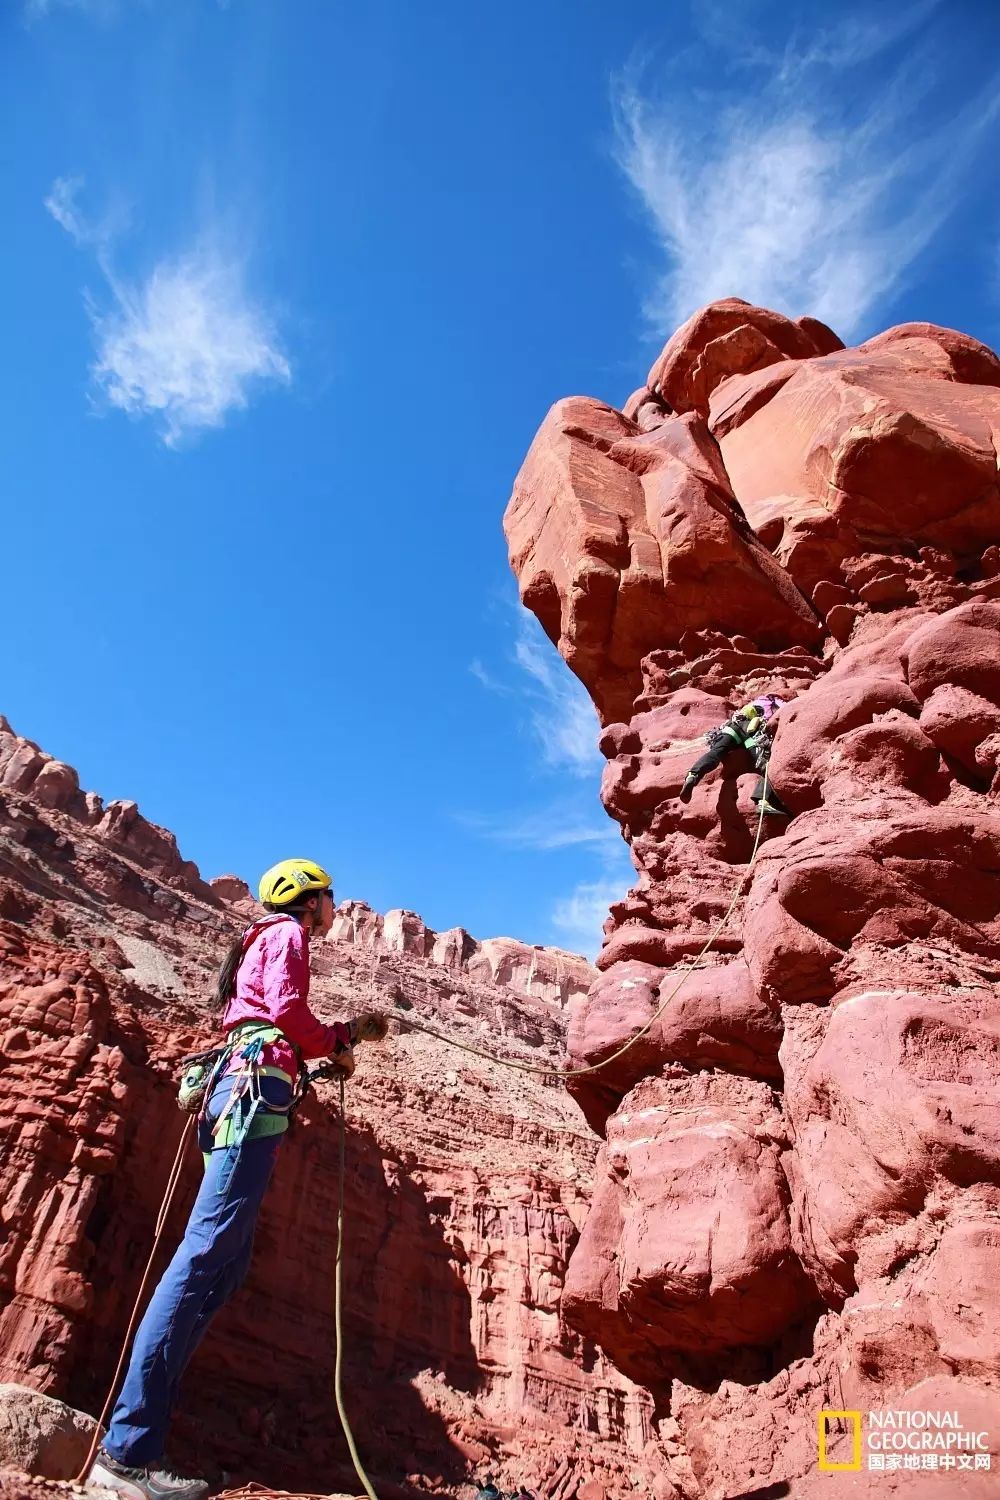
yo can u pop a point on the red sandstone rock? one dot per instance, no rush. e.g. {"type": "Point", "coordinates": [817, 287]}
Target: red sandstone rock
{"type": "Point", "coordinates": [688, 1245]}
{"type": "Point", "coordinates": [624, 541]}
{"type": "Point", "coordinates": [867, 937]}
{"type": "Point", "coordinates": [731, 338]}
{"type": "Point", "coordinates": [41, 1435]}
{"type": "Point", "coordinates": [715, 1020]}
{"type": "Point", "coordinates": [547, 974]}
{"type": "Point", "coordinates": [883, 446]}
{"type": "Point", "coordinates": [897, 1100]}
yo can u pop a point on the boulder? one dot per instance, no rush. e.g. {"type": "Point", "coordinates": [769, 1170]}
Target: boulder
{"type": "Point", "coordinates": [41, 1435]}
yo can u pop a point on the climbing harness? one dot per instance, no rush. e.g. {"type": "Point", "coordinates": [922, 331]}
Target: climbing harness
{"type": "Point", "coordinates": [523, 1067]}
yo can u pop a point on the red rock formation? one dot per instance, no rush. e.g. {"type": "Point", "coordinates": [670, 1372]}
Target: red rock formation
{"type": "Point", "coordinates": [548, 974]}
{"type": "Point", "coordinates": [799, 1195]}
{"type": "Point", "coordinates": [465, 1187]}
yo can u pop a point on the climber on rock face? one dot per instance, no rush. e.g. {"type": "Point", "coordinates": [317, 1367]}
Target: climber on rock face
{"type": "Point", "coordinates": [245, 1097]}
{"type": "Point", "coordinates": [750, 728]}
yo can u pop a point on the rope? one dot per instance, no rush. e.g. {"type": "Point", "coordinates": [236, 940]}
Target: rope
{"type": "Point", "coordinates": [524, 1067]}
{"type": "Point", "coordinates": [337, 1289]}
{"type": "Point", "coordinates": [168, 1195]}
{"type": "Point", "coordinates": [503, 1062]}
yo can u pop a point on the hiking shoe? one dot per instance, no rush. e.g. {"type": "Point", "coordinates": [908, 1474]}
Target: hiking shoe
{"type": "Point", "coordinates": [171, 1486]}
{"type": "Point", "coordinates": [769, 807]}
{"type": "Point", "coordinates": [143, 1483]}
{"type": "Point", "coordinates": [690, 782]}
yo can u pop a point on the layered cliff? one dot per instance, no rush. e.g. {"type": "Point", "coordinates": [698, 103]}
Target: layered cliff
{"type": "Point", "coordinates": [798, 1203]}
{"type": "Point", "coordinates": [466, 1185]}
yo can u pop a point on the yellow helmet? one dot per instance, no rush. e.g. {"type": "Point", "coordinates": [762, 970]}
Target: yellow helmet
{"type": "Point", "coordinates": [289, 879]}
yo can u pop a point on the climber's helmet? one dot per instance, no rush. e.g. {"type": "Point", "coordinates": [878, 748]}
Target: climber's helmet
{"type": "Point", "coordinates": [768, 703]}
{"type": "Point", "coordinates": [291, 879]}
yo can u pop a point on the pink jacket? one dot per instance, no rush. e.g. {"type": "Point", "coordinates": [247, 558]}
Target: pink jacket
{"type": "Point", "coordinates": [272, 984]}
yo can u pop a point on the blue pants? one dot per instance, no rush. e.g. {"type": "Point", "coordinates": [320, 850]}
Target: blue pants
{"type": "Point", "coordinates": [210, 1263]}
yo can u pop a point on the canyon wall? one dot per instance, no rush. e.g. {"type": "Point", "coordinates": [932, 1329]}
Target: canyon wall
{"type": "Point", "coordinates": [797, 1206]}
{"type": "Point", "coordinates": [466, 1185]}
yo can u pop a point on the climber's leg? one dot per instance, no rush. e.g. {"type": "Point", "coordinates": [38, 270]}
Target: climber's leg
{"type": "Point", "coordinates": [705, 763]}
{"type": "Point", "coordinates": [206, 1268]}
{"type": "Point", "coordinates": [771, 802]}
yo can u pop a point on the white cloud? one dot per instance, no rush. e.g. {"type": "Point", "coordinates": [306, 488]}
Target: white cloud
{"type": "Point", "coordinates": [579, 918]}
{"type": "Point", "coordinates": [776, 193]}
{"type": "Point", "coordinates": [187, 344]}
{"type": "Point", "coordinates": [62, 205]}
{"type": "Point", "coordinates": [488, 680]}
{"type": "Point", "coordinates": [562, 715]}
{"type": "Point", "coordinates": [557, 707]}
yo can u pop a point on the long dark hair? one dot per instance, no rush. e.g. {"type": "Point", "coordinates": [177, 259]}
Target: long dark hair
{"type": "Point", "coordinates": [227, 972]}
{"type": "Point", "coordinates": [234, 953]}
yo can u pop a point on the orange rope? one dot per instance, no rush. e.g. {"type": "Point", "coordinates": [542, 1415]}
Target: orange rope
{"type": "Point", "coordinates": [168, 1195]}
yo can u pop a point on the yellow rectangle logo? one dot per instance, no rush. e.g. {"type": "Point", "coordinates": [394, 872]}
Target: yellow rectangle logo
{"type": "Point", "coordinates": [823, 1421]}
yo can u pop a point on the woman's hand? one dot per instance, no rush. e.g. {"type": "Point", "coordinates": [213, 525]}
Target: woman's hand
{"type": "Point", "coordinates": [370, 1026]}
{"type": "Point", "coordinates": [344, 1061]}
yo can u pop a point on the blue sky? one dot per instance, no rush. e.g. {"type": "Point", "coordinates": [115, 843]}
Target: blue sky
{"type": "Point", "coordinates": [287, 289]}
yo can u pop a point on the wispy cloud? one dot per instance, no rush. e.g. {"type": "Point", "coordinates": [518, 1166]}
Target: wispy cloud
{"type": "Point", "coordinates": [558, 825]}
{"type": "Point", "coordinates": [534, 683]}
{"type": "Point", "coordinates": [578, 918]}
{"type": "Point", "coordinates": [489, 679]}
{"type": "Point", "coordinates": [100, 9]}
{"type": "Point", "coordinates": [557, 708]}
{"type": "Point", "coordinates": [186, 344]}
{"type": "Point", "coordinates": [562, 715]}
{"type": "Point", "coordinates": [62, 205]}
{"type": "Point", "coordinates": [773, 190]}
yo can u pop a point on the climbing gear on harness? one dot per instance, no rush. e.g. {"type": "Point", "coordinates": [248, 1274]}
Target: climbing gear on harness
{"type": "Point", "coordinates": [173, 1179]}
{"type": "Point", "coordinates": [291, 878]}
{"type": "Point", "coordinates": [722, 733]}
{"type": "Point", "coordinates": [198, 1067]}
{"type": "Point", "coordinates": [246, 1041]}
{"type": "Point", "coordinates": [239, 1121]}
{"type": "Point", "coordinates": [202, 1070]}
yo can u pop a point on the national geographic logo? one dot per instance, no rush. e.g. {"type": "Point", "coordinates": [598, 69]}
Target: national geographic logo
{"type": "Point", "coordinates": [880, 1441]}
{"type": "Point", "coordinates": [832, 1425]}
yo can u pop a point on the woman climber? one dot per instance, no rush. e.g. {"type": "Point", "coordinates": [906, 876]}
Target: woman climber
{"type": "Point", "coordinates": [257, 1077]}
{"type": "Point", "coordinates": [750, 728]}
